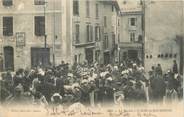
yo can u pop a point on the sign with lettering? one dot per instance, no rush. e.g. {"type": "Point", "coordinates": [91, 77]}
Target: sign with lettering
{"type": "Point", "coordinates": [20, 39]}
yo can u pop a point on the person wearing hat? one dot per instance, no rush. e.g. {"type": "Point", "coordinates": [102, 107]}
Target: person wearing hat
{"type": "Point", "coordinates": [59, 87]}
{"type": "Point", "coordinates": [18, 95]}
{"type": "Point", "coordinates": [39, 99]}
{"type": "Point", "coordinates": [85, 90]}
{"type": "Point", "coordinates": [129, 91]}
{"type": "Point", "coordinates": [175, 67]}
{"type": "Point", "coordinates": [171, 94]}
{"type": "Point", "coordinates": [109, 92]}
{"type": "Point", "coordinates": [139, 92]}
{"type": "Point", "coordinates": [56, 99]}
{"type": "Point", "coordinates": [158, 88]}
{"type": "Point", "coordinates": [159, 69]}
{"type": "Point", "coordinates": [76, 91]}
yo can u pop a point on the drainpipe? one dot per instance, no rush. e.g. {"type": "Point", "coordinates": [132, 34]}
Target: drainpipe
{"type": "Point", "coordinates": [143, 30]}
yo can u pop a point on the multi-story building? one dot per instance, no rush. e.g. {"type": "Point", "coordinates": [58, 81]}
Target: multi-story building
{"type": "Point", "coordinates": [94, 30]}
{"type": "Point", "coordinates": [30, 33]}
{"type": "Point", "coordinates": [40, 32]}
{"type": "Point", "coordinates": [86, 30]}
{"type": "Point", "coordinates": [111, 26]}
{"type": "Point", "coordinates": [164, 31]}
{"type": "Point", "coordinates": [131, 41]}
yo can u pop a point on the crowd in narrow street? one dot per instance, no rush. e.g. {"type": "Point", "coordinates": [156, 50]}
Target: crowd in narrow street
{"type": "Point", "coordinates": [91, 85]}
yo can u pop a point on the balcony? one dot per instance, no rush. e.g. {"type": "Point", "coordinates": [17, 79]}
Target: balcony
{"type": "Point", "coordinates": [130, 45]}
{"type": "Point", "coordinates": [84, 44]}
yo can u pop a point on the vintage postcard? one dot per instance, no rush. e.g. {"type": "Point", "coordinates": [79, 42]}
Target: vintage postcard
{"type": "Point", "coordinates": [91, 58]}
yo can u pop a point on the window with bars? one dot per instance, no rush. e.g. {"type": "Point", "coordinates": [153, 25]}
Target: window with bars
{"type": "Point", "coordinates": [75, 7]}
{"type": "Point", "coordinates": [132, 36]}
{"type": "Point", "coordinates": [89, 34]}
{"type": "Point", "coordinates": [87, 8]}
{"type": "Point", "coordinates": [118, 22]}
{"type": "Point", "coordinates": [112, 8]}
{"type": "Point", "coordinates": [7, 2]}
{"type": "Point", "coordinates": [118, 37]}
{"type": "Point", "coordinates": [106, 42]}
{"type": "Point", "coordinates": [105, 21]}
{"type": "Point", "coordinates": [75, 58]}
{"type": "Point", "coordinates": [7, 26]}
{"type": "Point", "coordinates": [97, 11]}
{"type": "Point", "coordinates": [133, 21]}
{"type": "Point", "coordinates": [113, 40]}
{"type": "Point", "coordinates": [77, 33]}
{"type": "Point", "coordinates": [97, 55]}
{"type": "Point", "coordinates": [39, 2]}
{"type": "Point", "coordinates": [40, 25]}
{"type": "Point", "coordinates": [97, 33]}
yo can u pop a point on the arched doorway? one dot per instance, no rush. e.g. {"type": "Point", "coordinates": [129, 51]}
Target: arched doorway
{"type": "Point", "coordinates": [8, 58]}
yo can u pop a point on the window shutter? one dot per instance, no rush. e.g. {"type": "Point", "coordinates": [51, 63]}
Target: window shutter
{"type": "Point", "coordinates": [91, 33]}
{"type": "Point", "coordinates": [7, 26]}
{"type": "Point", "coordinates": [39, 25]}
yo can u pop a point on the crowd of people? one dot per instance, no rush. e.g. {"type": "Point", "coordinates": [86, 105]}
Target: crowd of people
{"type": "Point", "coordinates": [91, 85]}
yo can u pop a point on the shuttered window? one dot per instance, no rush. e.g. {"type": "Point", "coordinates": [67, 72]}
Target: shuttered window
{"type": "Point", "coordinates": [39, 25]}
{"type": "Point", "coordinates": [75, 7]}
{"type": "Point", "coordinates": [7, 2]}
{"type": "Point", "coordinates": [39, 2]}
{"type": "Point", "coordinates": [7, 26]}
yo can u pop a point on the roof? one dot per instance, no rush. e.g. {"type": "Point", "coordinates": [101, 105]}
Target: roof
{"type": "Point", "coordinates": [130, 6]}
{"type": "Point", "coordinates": [113, 2]}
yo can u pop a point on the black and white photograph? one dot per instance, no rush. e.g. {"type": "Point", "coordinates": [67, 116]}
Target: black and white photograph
{"type": "Point", "coordinates": [70, 55]}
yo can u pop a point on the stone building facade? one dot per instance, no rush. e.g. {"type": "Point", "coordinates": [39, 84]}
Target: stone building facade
{"type": "Point", "coordinates": [131, 41]}
{"type": "Point", "coordinates": [25, 25]}
{"type": "Point", "coordinates": [45, 32]}
{"type": "Point", "coordinates": [94, 30]}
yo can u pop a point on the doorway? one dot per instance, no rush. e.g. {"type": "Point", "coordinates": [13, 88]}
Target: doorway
{"type": "Point", "coordinates": [9, 58]}
{"type": "Point", "coordinates": [106, 58]}
{"type": "Point", "coordinates": [40, 56]}
{"type": "Point", "coordinates": [133, 55]}
{"type": "Point", "coordinates": [89, 55]}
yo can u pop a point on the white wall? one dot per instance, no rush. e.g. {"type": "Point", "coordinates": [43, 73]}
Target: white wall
{"type": "Point", "coordinates": [163, 23]}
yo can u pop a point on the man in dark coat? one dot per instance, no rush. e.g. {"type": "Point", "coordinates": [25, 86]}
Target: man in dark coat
{"type": "Point", "coordinates": [158, 87]}
{"type": "Point", "coordinates": [85, 90]}
{"type": "Point", "coordinates": [175, 67]}
{"type": "Point", "coordinates": [139, 92]}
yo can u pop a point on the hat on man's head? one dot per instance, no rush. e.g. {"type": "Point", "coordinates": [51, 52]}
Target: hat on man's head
{"type": "Point", "coordinates": [84, 81]}
{"type": "Point", "coordinates": [56, 95]}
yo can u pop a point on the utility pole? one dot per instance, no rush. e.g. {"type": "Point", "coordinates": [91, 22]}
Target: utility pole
{"type": "Point", "coordinates": [55, 36]}
{"type": "Point", "coordinates": [45, 36]}
{"type": "Point", "coordinates": [182, 41]}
